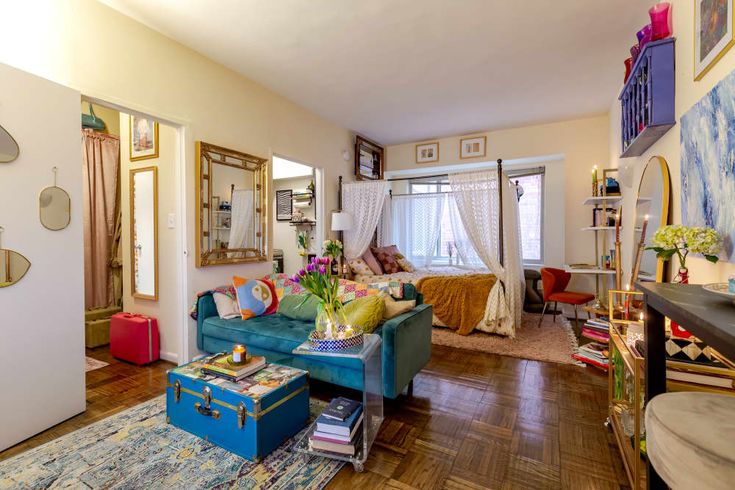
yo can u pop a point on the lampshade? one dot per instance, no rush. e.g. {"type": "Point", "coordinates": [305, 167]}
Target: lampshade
{"type": "Point", "coordinates": [341, 221]}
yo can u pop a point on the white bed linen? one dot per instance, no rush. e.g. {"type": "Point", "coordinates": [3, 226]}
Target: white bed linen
{"type": "Point", "coordinates": [413, 277]}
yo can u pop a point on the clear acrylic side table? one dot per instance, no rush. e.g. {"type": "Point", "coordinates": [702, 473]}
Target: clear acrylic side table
{"type": "Point", "coordinates": [370, 356]}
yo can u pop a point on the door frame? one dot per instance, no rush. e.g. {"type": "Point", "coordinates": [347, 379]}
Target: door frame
{"type": "Point", "coordinates": [183, 134]}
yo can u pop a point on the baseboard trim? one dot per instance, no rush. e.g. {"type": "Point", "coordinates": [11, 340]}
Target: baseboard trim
{"type": "Point", "coordinates": [169, 356]}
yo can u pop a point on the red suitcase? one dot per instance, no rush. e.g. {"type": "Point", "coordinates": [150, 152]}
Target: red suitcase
{"type": "Point", "coordinates": [134, 338]}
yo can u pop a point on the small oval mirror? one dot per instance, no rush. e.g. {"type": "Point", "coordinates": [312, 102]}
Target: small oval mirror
{"type": "Point", "coordinates": [13, 266]}
{"type": "Point", "coordinates": [54, 208]}
{"type": "Point", "coordinates": [9, 149]}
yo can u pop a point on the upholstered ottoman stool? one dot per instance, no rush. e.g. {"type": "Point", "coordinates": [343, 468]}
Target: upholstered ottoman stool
{"type": "Point", "coordinates": [690, 439]}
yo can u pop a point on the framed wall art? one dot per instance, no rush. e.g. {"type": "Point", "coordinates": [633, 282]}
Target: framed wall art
{"type": "Point", "coordinates": [713, 33]}
{"type": "Point", "coordinates": [427, 152]}
{"type": "Point", "coordinates": [143, 138]}
{"type": "Point", "coordinates": [472, 147]}
{"type": "Point", "coordinates": [284, 205]}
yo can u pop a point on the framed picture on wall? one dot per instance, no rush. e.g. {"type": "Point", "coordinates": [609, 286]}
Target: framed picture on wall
{"type": "Point", "coordinates": [427, 152]}
{"type": "Point", "coordinates": [284, 205]}
{"type": "Point", "coordinates": [713, 33]}
{"type": "Point", "coordinates": [472, 147]}
{"type": "Point", "coordinates": [368, 159]}
{"type": "Point", "coordinates": [143, 138]}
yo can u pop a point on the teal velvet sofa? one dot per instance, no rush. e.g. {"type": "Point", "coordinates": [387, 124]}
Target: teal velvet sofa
{"type": "Point", "coordinates": [406, 343]}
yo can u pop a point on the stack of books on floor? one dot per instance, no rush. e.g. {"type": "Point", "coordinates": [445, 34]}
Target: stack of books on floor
{"type": "Point", "coordinates": [595, 354]}
{"type": "Point", "coordinates": [338, 428]}
{"type": "Point", "coordinates": [597, 329]}
{"type": "Point", "coordinates": [221, 366]}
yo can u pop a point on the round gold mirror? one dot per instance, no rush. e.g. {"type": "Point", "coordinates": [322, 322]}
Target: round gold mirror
{"type": "Point", "coordinates": [9, 149]}
{"type": "Point", "coordinates": [54, 207]}
{"type": "Point", "coordinates": [653, 201]}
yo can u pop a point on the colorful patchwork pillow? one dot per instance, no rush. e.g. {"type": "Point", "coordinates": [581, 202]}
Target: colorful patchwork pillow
{"type": "Point", "coordinates": [386, 258]}
{"type": "Point", "coordinates": [394, 288]}
{"type": "Point", "coordinates": [372, 262]}
{"type": "Point", "coordinates": [255, 297]}
{"type": "Point", "coordinates": [404, 263]}
{"type": "Point", "coordinates": [284, 285]}
{"type": "Point", "coordinates": [351, 290]}
{"type": "Point", "coordinates": [360, 268]}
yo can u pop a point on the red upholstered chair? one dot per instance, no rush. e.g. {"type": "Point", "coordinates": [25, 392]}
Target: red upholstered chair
{"type": "Point", "coordinates": [555, 282]}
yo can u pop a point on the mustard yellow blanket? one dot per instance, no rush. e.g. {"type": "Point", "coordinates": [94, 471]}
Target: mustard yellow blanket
{"type": "Point", "coordinates": [458, 301]}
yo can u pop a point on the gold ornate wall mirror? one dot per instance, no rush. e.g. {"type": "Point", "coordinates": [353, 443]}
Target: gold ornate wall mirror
{"type": "Point", "coordinates": [54, 207]}
{"type": "Point", "coordinates": [9, 149]}
{"type": "Point", "coordinates": [654, 193]}
{"type": "Point", "coordinates": [144, 232]}
{"type": "Point", "coordinates": [232, 206]}
{"type": "Point", "coordinates": [13, 266]}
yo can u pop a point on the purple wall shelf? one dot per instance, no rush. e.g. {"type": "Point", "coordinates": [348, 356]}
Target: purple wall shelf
{"type": "Point", "coordinates": [647, 99]}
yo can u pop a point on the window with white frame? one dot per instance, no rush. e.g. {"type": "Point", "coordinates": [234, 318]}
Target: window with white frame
{"type": "Point", "coordinates": [530, 207]}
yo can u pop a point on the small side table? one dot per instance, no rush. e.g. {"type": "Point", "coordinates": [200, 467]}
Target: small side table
{"type": "Point", "coordinates": [370, 356]}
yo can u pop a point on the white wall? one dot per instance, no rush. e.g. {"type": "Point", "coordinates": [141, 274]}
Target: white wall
{"type": "Point", "coordinates": [688, 92]}
{"type": "Point", "coordinates": [106, 55]}
{"type": "Point", "coordinates": [284, 235]}
{"type": "Point", "coordinates": [42, 316]}
{"type": "Point", "coordinates": [166, 308]}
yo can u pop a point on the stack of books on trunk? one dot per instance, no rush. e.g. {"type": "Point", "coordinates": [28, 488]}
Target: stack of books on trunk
{"type": "Point", "coordinates": [594, 354]}
{"type": "Point", "coordinates": [597, 329]}
{"type": "Point", "coordinates": [338, 428]}
{"type": "Point", "coordinates": [222, 366]}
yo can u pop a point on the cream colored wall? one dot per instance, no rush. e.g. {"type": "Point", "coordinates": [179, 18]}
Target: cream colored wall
{"type": "Point", "coordinates": [688, 92]}
{"type": "Point", "coordinates": [165, 308]}
{"type": "Point", "coordinates": [111, 117]}
{"type": "Point", "coordinates": [284, 235]}
{"type": "Point", "coordinates": [100, 52]}
{"type": "Point", "coordinates": [582, 142]}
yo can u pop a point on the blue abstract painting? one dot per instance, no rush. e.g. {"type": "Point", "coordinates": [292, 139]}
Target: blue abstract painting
{"type": "Point", "coordinates": [708, 163]}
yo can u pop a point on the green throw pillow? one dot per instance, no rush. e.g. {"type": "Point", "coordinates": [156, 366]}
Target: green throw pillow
{"type": "Point", "coordinates": [365, 312]}
{"type": "Point", "coordinates": [293, 306]}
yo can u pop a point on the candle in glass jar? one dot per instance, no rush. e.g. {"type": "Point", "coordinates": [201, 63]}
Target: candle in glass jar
{"type": "Point", "coordinates": [349, 332]}
{"type": "Point", "coordinates": [238, 353]}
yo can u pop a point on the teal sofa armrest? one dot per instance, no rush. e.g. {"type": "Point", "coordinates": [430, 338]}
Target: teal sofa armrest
{"type": "Point", "coordinates": [406, 348]}
{"type": "Point", "coordinates": [206, 308]}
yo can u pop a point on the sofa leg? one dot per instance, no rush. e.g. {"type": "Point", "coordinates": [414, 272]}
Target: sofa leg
{"type": "Point", "coordinates": [409, 388]}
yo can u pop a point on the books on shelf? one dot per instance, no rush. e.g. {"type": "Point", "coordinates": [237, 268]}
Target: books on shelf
{"type": "Point", "coordinates": [594, 353]}
{"type": "Point", "coordinates": [338, 436]}
{"type": "Point", "coordinates": [597, 324]}
{"type": "Point", "coordinates": [595, 335]}
{"type": "Point", "coordinates": [222, 366]}
{"type": "Point", "coordinates": [708, 375]}
{"type": "Point", "coordinates": [592, 362]}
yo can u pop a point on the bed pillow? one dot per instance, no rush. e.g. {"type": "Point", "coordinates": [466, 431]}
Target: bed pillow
{"type": "Point", "coordinates": [372, 262]}
{"type": "Point", "coordinates": [393, 288]}
{"type": "Point", "coordinates": [299, 307]}
{"type": "Point", "coordinates": [365, 312]}
{"type": "Point", "coordinates": [386, 258]}
{"type": "Point", "coordinates": [360, 268]}
{"type": "Point", "coordinates": [404, 263]}
{"type": "Point", "coordinates": [226, 306]}
{"type": "Point", "coordinates": [394, 308]}
{"type": "Point", "coordinates": [255, 297]}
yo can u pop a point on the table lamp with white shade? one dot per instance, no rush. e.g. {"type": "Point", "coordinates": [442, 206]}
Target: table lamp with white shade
{"type": "Point", "coordinates": [341, 222]}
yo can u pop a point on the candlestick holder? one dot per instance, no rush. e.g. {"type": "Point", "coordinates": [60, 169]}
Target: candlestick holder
{"type": "Point", "coordinates": [624, 307]}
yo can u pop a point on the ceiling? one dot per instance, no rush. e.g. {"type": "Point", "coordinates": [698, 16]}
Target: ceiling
{"type": "Point", "coordinates": [287, 169]}
{"type": "Point", "coordinates": [406, 70]}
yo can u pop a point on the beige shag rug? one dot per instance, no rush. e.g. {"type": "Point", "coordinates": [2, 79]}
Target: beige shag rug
{"type": "Point", "coordinates": [92, 364]}
{"type": "Point", "coordinates": [553, 342]}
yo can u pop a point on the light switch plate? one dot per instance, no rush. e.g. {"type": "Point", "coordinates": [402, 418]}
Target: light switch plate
{"type": "Point", "coordinates": [171, 220]}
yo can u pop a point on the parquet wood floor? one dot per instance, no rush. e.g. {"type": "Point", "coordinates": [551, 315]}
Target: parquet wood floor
{"type": "Point", "coordinates": [474, 421]}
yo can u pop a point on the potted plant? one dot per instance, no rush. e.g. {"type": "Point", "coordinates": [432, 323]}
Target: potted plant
{"type": "Point", "coordinates": [333, 249]}
{"type": "Point", "coordinates": [331, 329]}
{"type": "Point", "coordinates": [682, 240]}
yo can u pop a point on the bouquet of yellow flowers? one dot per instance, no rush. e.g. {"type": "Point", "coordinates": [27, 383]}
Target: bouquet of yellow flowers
{"type": "Point", "coordinates": [682, 240]}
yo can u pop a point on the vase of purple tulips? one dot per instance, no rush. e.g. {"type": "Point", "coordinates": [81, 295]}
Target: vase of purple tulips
{"type": "Point", "coordinates": [318, 281]}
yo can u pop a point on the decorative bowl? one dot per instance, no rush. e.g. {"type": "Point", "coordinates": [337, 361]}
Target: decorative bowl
{"type": "Point", "coordinates": [721, 289]}
{"type": "Point", "coordinates": [320, 343]}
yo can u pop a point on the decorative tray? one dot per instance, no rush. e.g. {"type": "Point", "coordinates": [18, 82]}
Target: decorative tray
{"type": "Point", "coordinates": [320, 343]}
{"type": "Point", "coordinates": [721, 289]}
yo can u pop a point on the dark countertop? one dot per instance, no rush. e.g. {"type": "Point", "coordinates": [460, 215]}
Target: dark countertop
{"type": "Point", "coordinates": [706, 315]}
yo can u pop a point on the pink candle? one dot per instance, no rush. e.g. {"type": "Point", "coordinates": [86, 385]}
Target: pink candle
{"type": "Point", "coordinates": [627, 303]}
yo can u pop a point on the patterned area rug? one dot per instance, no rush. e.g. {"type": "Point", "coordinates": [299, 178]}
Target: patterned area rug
{"type": "Point", "coordinates": [92, 364]}
{"type": "Point", "coordinates": [138, 449]}
{"type": "Point", "coordinates": [553, 342]}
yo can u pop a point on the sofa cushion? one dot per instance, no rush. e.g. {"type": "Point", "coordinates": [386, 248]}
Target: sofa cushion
{"type": "Point", "coordinates": [299, 307]}
{"type": "Point", "coordinates": [365, 312]}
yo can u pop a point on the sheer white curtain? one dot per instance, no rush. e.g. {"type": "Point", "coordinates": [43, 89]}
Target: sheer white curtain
{"type": "Point", "coordinates": [476, 198]}
{"type": "Point", "coordinates": [385, 224]}
{"type": "Point", "coordinates": [364, 201]}
{"type": "Point", "coordinates": [241, 225]}
{"type": "Point", "coordinates": [465, 249]}
{"type": "Point", "coordinates": [416, 225]}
